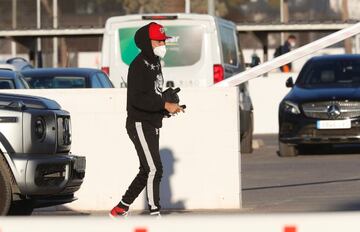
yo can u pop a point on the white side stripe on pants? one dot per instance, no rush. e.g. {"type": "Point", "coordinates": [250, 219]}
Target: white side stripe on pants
{"type": "Point", "coordinates": [150, 181]}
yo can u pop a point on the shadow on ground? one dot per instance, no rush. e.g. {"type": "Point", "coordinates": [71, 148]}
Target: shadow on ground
{"type": "Point", "coordinates": [329, 149]}
{"type": "Point", "coordinates": [167, 201]}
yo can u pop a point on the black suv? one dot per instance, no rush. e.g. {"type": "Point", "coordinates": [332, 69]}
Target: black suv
{"type": "Point", "coordinates": [323, 106]}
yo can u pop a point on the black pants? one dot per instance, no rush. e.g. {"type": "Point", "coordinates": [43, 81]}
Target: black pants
{"type": "Point", "coordinates": [146, 140]}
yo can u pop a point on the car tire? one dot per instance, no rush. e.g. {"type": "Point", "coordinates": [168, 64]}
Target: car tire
{"type": "Point", "coordinates": [5, 188]}
{"type": "Point", "coordinates": [247, 139]}
{"type": "Point", "coordinates": [23, 208]}
{"type": "Point", "coordinates": [287, 150]}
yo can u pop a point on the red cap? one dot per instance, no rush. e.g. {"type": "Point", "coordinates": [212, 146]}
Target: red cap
{"type": "Point", "coordinates": [157, 32]}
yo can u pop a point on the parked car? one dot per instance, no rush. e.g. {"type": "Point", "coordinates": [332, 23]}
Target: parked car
{"type": "Point", "coordinates": [323, 106]}
{"type": "Point", "coordinates": [202, 50]}
{"type": "Point", "coordinates": [5, 66]}
{"type": "Point", "coordinates": [12, 80]}
{"type": "Point", "coordinates": [65, 78]}
{"type": "Point", "coordinates": [36, 167]}
{"type": "Point", "coordinates": [15, 64]}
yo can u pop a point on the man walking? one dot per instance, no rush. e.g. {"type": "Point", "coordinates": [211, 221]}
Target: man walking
{"type": "Point", "coordinates": [289, 44]}
{"type": "Point", "coordinates": [146, 107]}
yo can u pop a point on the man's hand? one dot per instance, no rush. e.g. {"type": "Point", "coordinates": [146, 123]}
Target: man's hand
{"type": "Point", "coordinates": [173, 108]}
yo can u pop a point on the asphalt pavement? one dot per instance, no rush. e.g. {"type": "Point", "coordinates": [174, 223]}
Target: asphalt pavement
{"type": "Point", "coordinates": [323, 179]}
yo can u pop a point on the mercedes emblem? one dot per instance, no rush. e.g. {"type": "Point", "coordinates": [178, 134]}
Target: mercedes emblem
{"type": "Point", "coordinates": [333, 111]}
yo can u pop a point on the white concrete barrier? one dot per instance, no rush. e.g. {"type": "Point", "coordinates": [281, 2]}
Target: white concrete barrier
{"type": "Point", "coordinates": [200, 149]}
{"type": "Point", "coordinates": [331, 222]}
{"type": "Point", "coordinates": [266, 94]}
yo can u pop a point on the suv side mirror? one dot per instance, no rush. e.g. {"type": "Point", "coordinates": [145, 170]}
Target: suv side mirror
{"type": "Point", "coordinates": [289, 82]}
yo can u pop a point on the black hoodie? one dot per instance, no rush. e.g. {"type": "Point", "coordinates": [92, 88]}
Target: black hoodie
{"type": "Point", "coordinates": [145, 83]}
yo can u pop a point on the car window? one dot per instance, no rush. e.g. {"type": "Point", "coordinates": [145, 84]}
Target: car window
{"type": "Point", "coordinates": [104, 80]}
{"type": "Point", "coordinates": [331, 72]}
{"type": "Point", "coordinates": [228, 45]}
{"type": "Point", "coordinates": [56, 82]}
{"type": "Point", "coordinates": [7, 84]}
{"type": "Point", "coordinates": [183, 48]}
{"type": "Point", "coordinates": [95, 82]}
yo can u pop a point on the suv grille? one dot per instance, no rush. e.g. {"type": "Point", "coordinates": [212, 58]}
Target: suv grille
{"type": "Point", "coordinates": [332, 109]}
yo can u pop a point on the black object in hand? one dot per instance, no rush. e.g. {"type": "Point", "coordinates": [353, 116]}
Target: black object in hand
{"type": "Point", "coordinates": [171, 95]}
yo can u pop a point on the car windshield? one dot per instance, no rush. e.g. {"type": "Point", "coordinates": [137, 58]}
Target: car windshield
{"type": "Point", "coordinates": [330, 73]}
{"type": "Point", "coordinates": [56, 82]}
{"type": "Point", "coordinates": [183, 48]}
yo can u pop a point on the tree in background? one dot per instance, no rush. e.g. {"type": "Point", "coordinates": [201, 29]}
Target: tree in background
{"type": "Point", "coordinates": [171, 6]}
{"type": "Point", "coordinates": [201, 7]}
{"type": "Point", "coordinates": [252, 11]}
{"type": "Point", "coordinates": [142, 6]}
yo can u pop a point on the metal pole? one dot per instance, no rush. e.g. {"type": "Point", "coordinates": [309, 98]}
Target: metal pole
{"type": "Point", "coordinates": [345, 17]}
{"type": "Point", "coordinates": [38, 60]}
{"type": "Point", "coordinates": [55, 39]}
{"type": "Point", "coordinates": [14, 25]}
{"type": "Point", "coordinates": [357, 44]}
{"type": "Point", "coordinates": [282, 36]}
{"type": "Point", "coordinates": [187, 6]}
{"type": "Point", "coordinates": [211, 7]}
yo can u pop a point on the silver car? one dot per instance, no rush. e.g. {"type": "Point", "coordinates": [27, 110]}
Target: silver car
{"type": "Point", "coordinates": [36, 168]}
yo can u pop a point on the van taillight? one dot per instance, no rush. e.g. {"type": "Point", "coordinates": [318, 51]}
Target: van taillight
{"type": "Point", "coordinates": [106, 70]}
{"type": "Point", "coordinates": [218, 73]}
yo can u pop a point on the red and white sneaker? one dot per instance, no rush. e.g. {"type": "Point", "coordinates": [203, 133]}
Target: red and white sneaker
{"type": "Point", "coordinates": [118, 212]}
{"type": "Point", "coordinates": [155, 214]}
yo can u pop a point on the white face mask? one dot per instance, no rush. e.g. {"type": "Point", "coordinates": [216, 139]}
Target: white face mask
{"type": "Point", "coordinates": [160, 51]}
{"type": "Point", "coordinates": [292, 44]}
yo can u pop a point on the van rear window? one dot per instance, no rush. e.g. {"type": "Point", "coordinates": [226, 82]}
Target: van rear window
{"type": "Point", "coordinates": [228, 44]}
{"type": "Point", "coordinates": [183, 49]}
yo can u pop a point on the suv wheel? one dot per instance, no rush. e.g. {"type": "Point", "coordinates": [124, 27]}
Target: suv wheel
{"type": "Point", "coordinates": [5, 188]}
{"type": "Point", "coordinates": [247, 139]}
{"type": "Point", "coordinates": [287, 150]}
{"type": "Point", "coordinates": [24, 207]}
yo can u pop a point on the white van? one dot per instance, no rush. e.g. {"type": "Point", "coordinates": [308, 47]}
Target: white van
{"type": "Point", "coordinates": [203, 50]}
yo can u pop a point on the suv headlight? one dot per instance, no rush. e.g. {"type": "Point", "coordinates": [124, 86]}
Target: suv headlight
{"type": "Point", "coordinates": [64, 131]}
{"type": "Point", "coordinates": [291, 107]}
{"type": "Point", "coordinates": [40, 128]}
